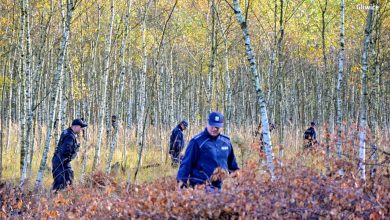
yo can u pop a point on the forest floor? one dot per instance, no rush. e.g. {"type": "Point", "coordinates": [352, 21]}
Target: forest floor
{"type": "Point", "coordinates": [300, 191]}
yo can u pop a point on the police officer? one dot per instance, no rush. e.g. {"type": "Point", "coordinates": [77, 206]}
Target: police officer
{"type": "Point", "coordinates": [65, 152]}
{"type": "Point", "coordinates": [207, 151]}
{"type": "Point", "coordinates": [310, 136]}
{"type": "Point", "coordinates": [176, 143]}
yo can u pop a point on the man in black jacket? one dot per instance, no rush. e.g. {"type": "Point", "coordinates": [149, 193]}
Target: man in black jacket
{"type": "Point", "coordinates": [65, 152]}
{"type": "Point", "coordinates": [310, 136]}
{"type": "Point", "coordinates": [176, 143]}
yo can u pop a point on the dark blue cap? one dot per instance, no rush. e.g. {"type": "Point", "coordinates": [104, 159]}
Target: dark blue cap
{"type": "Point", "coordinates": [215, 119]}
{"type": "Point", "coordinates": [80, 122]}
{"type": "Point", "coordinates": [184, 123]}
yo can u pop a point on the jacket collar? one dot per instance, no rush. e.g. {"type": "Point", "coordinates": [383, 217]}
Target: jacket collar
{"type": "Point", "coordinates": [206, 134]}
{"type": "Point", "coordinates": [71, 131]}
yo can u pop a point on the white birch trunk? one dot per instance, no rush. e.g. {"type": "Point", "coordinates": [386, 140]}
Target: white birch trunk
{"type": "Point", "coordinates": [28, 98]}
{"type": "Point", "coordinates": [339, 83]}
{"type": "Point", "coordinates": [159, 112]}
{"type": "Point", "coordinates": [142, 93]}
{"type": "Point", "coordinates": [228, 113]}
{"type": "Point", "coordinates": [363, 95]}
{"type": "Point", "coordinates": [56, 83]}
{"type": "Point", "coordinates": [172, 90]}
{"type": "Point", "coordinates": [103, 102]}
{"type": "Point", "coordinates": [23, 78]}
{"type": "Point", "coordinates": [228, 90]}
{"type": "Point", "coordinates": [9, 110]}
{"type": "Point", "coordinates": [259, 92]}
{"type": "Point", "coordinates": [121, 86]}
{"type": "Point", "coordinates": [210, 75]}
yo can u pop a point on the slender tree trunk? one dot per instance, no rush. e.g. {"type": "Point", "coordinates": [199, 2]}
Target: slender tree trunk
{"type": "Point", "coordinates": [29, 144]}
{"type": "Point", "coordinates": [56, 83]}
{"type": "Point", "coordinates": [325, 63]}
{"type": "Point", "coordinates": [142, 93]}
{"type": "Point", "coordinates": [121, 86]}
{"type": "Point", "coordinates": [210, 75]}
{"type": "Point", "coordinates": [339, 111]}
{"type": "Point", "coordinates": [27, 119]}
{"type": "Point", "coordinates": [272, 58]}
{"type": "Point", "coordinates": [279, 73]}
{"type": "Point", "coordinates": [103, 102]}
{"type": "Point", "coordinates": [172, 90]}
{"type": "Point", "coordinates": [21, 49]}
{"type": "Point", "coordinates": [228, 90]}
{"type": "Point", "coordinates": [259, 92]}
{"type": "Point", "coordinates": [363, 95]}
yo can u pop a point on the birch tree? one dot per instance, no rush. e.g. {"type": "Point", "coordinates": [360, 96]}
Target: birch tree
{"type": "Point", "coordinates": [66, 22]}
{"type": "Point", "coordinates": [115, 124]}
{"type": "Point", "coordinates": [339, 82]}
{"type": "Point", "coordinates": [103, 101]}
{"type": "Point", "coordinates": [29, 143]}
{"type": "Point", "coordinates": [363, 94]}
{"type": "Point", "coordinates": [324, 9]}
{"type": "Point", "coordinates": [259, 92]}
{"type": "Point", "coordinates": [213, 51]}
{"type": "Point", "coordinates": [142, 93]}
{"type": "Point", "coordinates": [21, 49]}
{"type": "Point", "coordinates": [25, 84]}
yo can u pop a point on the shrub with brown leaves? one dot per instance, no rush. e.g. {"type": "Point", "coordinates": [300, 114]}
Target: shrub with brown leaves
{"type": "Point", "coordinates": [299, 193]}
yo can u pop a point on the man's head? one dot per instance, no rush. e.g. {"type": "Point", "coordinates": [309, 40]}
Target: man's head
{"type": "Point", "coordinates": [312, 124]}
{"type": "Point", "coordinates": [184, 124]}
{"type": "Point", "coordinates": [78, 124]}
{"type": "Point", "coordinates": [215, 123]}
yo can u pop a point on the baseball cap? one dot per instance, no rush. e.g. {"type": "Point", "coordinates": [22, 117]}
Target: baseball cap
{"type": "Point", "coordinates": [184, 123]}
{"type": "Point", "coordinates": [80, 122]}
{"type": "Point", "coordinates": [215, 119]}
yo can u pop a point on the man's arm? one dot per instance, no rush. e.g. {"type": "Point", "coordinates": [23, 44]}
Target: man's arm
{"type": "Point", "coordinates": [232, 163]}
{"type": "Point", "coordinates": [188, 161]}
{"type": "Point", "coordinates": [67, 148]}
{"type": "Point", "coordinates": [176, 139]}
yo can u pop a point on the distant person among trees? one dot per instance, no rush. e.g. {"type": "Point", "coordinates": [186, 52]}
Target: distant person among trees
{"type": "Point", "coordinates": [310, 136]}
{"type": "Point", "coordinates": [65, 152]}
{"type": "Point", "coordinates": [177, 142]}
{"type": "Point", "coordinates": [207, 152]}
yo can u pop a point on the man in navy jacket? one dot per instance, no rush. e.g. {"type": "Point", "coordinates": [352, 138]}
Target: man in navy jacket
{"type": "Point", "coordinates": [310, 136]}
{"type": "Point", "coordinates": [65, 152]}
{"type": "Point", "coordinates": [176, 143]}
{"type": "Point", "coordinates": [207, 151]}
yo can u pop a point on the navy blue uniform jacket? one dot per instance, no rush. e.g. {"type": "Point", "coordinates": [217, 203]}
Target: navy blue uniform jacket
{"type": "Point", "coordinates": [203, 154]}
{"type": "Point", "coordinates": [66, 150]}
{"type": "Point", "coordinates": [176, 143]}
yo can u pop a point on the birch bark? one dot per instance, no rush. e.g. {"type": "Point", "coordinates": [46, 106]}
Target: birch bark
{"type": "Point", "coordinates": [142, 93]}
{"type": "Point", "coordinates": [259, 92]}
{"type": "Point", "coordinates": [56, 82]}
{"type": "Point", "coordinates": [340, 75]}
{"type": "Point", "coordinates": [121, 86]}
{"type": "Point", "coordinates": [363, 94]}
{"type": "Point", "coordinates": [103, 101]}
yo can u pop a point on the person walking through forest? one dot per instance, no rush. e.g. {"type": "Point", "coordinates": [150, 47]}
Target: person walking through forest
{"type": "Point", "coordinates": [65, 152]}
{"type": "Point", "coordinates": [310, 136]}
{"type": "Point", "coordinates": [207, 153]}
{"type": "Point", "coordinates": [177, 143]}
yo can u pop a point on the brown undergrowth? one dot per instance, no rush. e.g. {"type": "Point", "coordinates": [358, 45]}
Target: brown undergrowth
{"type": "Point", "coordinates": [299, 193]}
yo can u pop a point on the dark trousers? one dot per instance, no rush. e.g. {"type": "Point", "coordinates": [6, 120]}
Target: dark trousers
{"type": "Point", "coordinates": [175, 157]}
{"type": "Point", "coordinates": [62, 174]}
